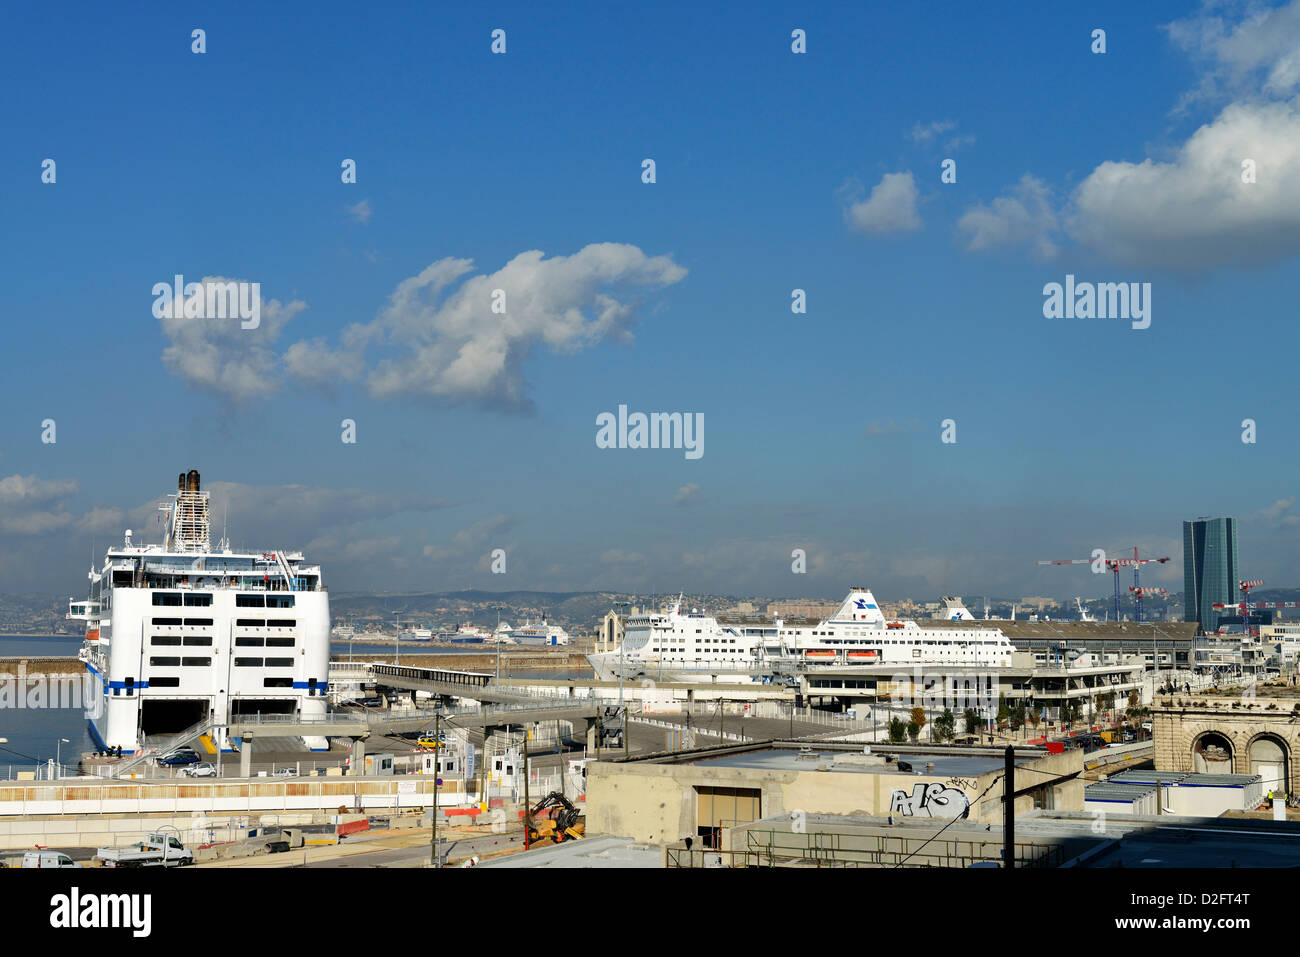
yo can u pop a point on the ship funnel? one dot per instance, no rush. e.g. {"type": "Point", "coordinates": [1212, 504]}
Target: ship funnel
{"type": "Point", "coordinates": [180, 482]}
{"type": "Point", "coordinates": [192, 481]}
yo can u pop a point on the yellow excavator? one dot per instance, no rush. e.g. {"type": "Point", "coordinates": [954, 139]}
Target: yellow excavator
{"type": "Point", "coordinates": [566, 822]}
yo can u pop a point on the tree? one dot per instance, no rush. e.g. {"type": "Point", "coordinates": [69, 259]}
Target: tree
{"type": "Point", "coordinates": [897, 730]}
{"type": "Point", "coordinates": [1017, 716]}
{"type": "Point", "coordinates": [973, 721]}
{"type": "Point", "coordinates": [1034, 717]}
{"type": "Point", "coordinates": [944, 726]}
{"type": "Point", "coordinates": [918, 718]}
{"type": "Point", "coordinates": [1003, 712]}
{"type": "Point", "coordinates": [913, 731]}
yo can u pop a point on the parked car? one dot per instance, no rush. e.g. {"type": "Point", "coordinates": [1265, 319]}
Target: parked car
{"type": "Point", "coordinates": [284, 773]}
{"type": "Point", "coordinates": [430, 740]}
{"type": "Point", "coordinates": [180, 756]}
{"type": "Point", "coordinates": [159, 850]}
{"type": "Point", "coordinates": [47, 859]}
{"type": "Point", "coordinates": [205, 770]}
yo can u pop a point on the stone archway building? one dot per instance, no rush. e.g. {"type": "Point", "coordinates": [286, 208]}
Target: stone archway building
{"type": "Point", "coordinates": [1262, 733]}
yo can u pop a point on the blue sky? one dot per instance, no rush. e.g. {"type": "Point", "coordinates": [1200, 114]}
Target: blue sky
{"type": "Point", "coordinates": [822, 430]}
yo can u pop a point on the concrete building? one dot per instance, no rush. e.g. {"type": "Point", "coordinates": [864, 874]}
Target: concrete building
{"type": "Point", "coordinates": [812, 610]}
{"type": "Point", "coordinates": [1254, 733]}
{"type": "Point", "coordinates": [701, 794]}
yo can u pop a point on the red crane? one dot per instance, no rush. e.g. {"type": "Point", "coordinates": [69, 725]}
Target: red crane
{"type": "Point", "coordinates": [1244, 606]}
{"type": "Point", "coordinates": [1114, 565]}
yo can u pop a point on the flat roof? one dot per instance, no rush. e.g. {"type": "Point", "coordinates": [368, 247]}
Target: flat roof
{"type": "Point", "coordinates": [1183, 779]}
{"type": "Point", "coordinates": [790, 759]}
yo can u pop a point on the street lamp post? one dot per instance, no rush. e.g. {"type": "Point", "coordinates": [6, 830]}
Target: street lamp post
{"type": "Point", "coordinates": [58, 754]}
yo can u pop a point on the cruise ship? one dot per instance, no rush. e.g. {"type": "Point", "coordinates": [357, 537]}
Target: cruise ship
{"type": "Point", "coordinates": [543, 634]}
{"type": "Point", "coordinates": [180, 634]}
{"type": "Point", "coordinates": [676, 645]}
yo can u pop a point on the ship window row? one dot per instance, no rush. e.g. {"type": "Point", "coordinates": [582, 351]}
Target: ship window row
{"type": "Point", "coordinates": [174, 598]}
{"type": "Point", "coordinates": [177, 622]}
{"type": "Point", "coordinates": [264, 601]}
{"type": "Point", "coordinates": [257, 641]}
{"type": "Point", "coordinates": [263, 662]}
{"type": "Point", "coordinates": [179, 640]}
{"type": "Point", "coordinates": [180, 662]}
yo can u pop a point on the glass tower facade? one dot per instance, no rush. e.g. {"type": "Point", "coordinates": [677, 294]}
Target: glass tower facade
{"type": "Point", "coordinates": [1210, 572]}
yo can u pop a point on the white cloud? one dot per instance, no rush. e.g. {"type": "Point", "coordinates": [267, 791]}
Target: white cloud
{"type": "Point", "coordinates": [361, 211]}
{"type": "Point", "coordinates": [1188, 209]}
{"type": "Point", "coordinates": [877, 428]}
{"type": "Point", "coordinates": [923, 133]}
{"type": "Point", "coordinates": [1194, 211]}
{"type": "Point", "coordinates": [890, 208]}
{"type": "Point", "coordinates": [1022, 217]}
{"type": "Point", "coordinates": [688, 493]}
{"type": "Point", "coordinates": [451, 345]}
{"type": "Point", "coordinates": [220, 356]}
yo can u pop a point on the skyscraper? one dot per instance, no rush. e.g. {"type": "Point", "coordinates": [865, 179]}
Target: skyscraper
{"type": "Point", "coordinates": [1210, 571]}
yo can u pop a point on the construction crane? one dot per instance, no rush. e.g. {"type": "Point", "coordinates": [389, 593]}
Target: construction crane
{"type": "Point", "coordinates": [1138, 592]}
{"type": "Point", "coordinates": [1114, 565]}
{"type": "Point", "coordinates": [1245, 606]}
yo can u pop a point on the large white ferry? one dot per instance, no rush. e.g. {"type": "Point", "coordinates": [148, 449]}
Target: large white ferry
{"type": "Point", "coordinates": [673, 644]}
{"type": "Point", "coordinates": [181, 634]}
{"type": "Point", "coordinates": [860, 634]}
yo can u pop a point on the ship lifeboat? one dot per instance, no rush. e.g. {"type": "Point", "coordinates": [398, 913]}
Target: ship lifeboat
{"type": "Point", "coordinates": [819, 654]}
{"type": "Point", "coordinates": [862, 656]}
{"type": "Point", "coordinates": [92, 634]}
{"type": "Point", "coordinates": [893, 624]}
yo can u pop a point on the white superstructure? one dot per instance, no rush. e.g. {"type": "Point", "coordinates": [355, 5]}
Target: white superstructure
{"type": "Point", "coordinates": [673, 643]}
{"type": "Point", "coordinates": [181, 633]}
{"type": "Point", "coordinates": [678, 645]}
{"type": "Point", "coordinates": [860, 634]}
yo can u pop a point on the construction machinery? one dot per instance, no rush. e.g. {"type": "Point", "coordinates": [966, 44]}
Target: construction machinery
{"type": "Point", "coordinates": [563, 821]}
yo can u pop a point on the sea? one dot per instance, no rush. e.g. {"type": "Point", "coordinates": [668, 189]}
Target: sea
{"type": "Point", "coordinates": [37, 735]}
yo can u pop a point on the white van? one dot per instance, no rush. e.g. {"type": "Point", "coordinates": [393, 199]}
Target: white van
{"type": "Point", "coordinates": [48, 859]}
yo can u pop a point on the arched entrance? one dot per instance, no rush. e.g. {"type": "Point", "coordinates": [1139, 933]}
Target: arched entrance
{"type": "Point", "coordinates": [1212, 754]}
{"type": "Point", "coordinates": [1268, 759]}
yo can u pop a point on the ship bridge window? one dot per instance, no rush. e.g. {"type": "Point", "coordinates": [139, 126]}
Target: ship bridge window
{"type": "Point", "coordinates": [198, 601]}
{"type": "Point", "coordinates": [166, 621]}
{"type": "Point", "coordinates": [166, 598]}
{"type": "Point", "coordinates": [165, 640]}
{"type": "Point", "coordinates": [198, 640]}
{"type": "Point", "coordinates": [279, 601]}
{"type": "Point", "coordinates": [165, 662]}
{"type": "Point", "coordinates": [279, 662]}
{"type": "Point", "coordinates": [280, 641]}
{"type": "Point", "coordinates": [249, 622]}
{"type": "Point", "coordinates": [201, 622]}
{"type": "Point", "coordinates": [281, 623]}
{"type": "Point", "coordinates": [248, 601]}
{"type": "Point", "coordinates": [245, 641]}
{"type": "Point", "coordinates": [248, 662]}
{"type": "Point", "coordinates": [196, 662]}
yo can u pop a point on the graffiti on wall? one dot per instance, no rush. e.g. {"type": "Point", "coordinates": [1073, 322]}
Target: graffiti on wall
{"type": "Point", "coordinates": [930, 800]}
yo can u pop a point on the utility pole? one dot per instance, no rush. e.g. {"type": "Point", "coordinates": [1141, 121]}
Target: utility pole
{"type": "Point", "coordinates": [1009, 810]}
{"type": "Point", "coordinates": [527, 802]}
{"type": "Point", "coordinates": [627, 747]}
{"type": "Point", "coordinates": [433, 841]}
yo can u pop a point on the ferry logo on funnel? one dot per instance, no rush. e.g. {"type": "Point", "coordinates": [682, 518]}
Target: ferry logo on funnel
{"type": "Point", "coordinates": [213, 298]}
{"type": "Point", "coordinates": [657, 430]}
